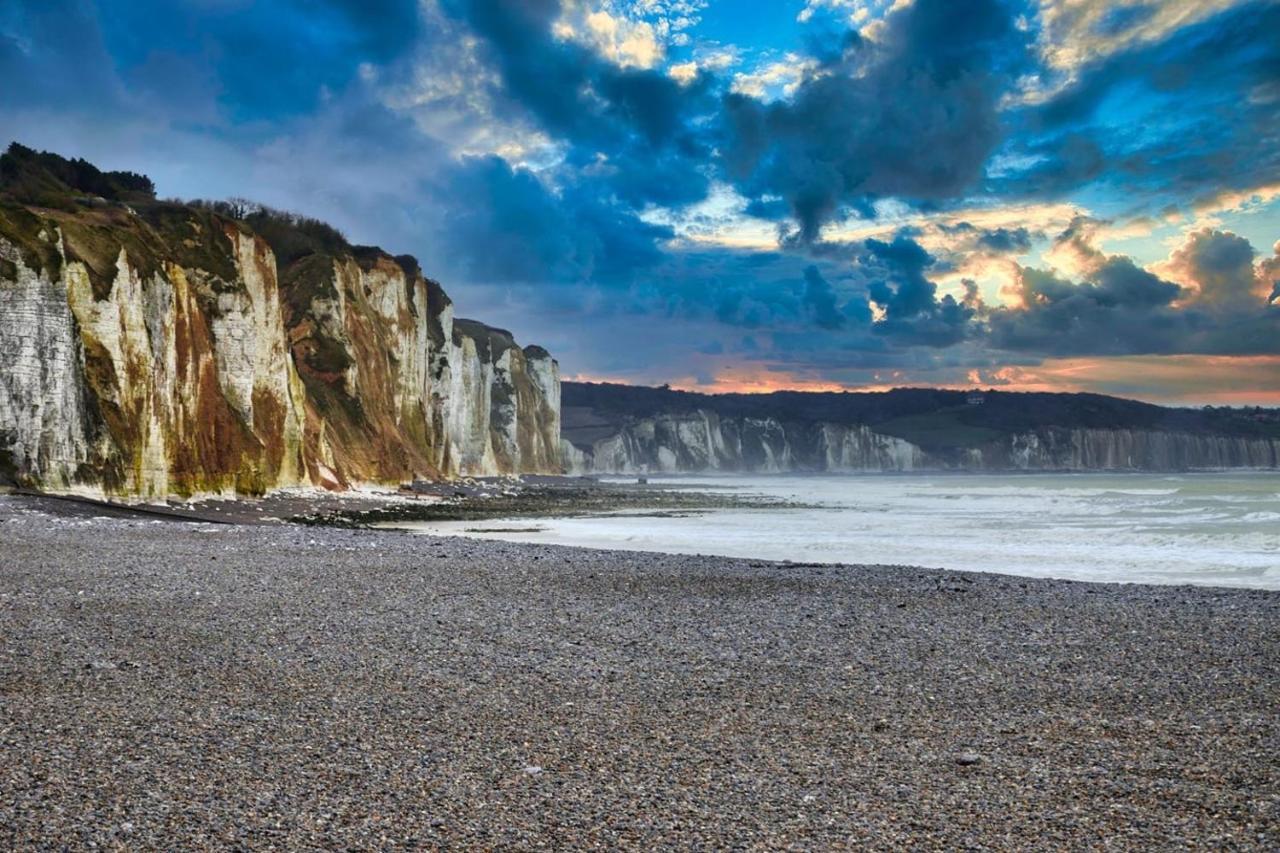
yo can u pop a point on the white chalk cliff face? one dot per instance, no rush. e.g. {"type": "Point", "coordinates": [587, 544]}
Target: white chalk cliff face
{"type": "Point", "coordinates": [146, 383]}
{"type": "Point", "coordinates": [168, 353]}
{"type": "Point", "coordinates": [702, 441]}
{"type": "Point", "coordinates": [44, 418]}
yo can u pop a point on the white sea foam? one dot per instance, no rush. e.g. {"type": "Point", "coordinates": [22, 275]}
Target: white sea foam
{"type": "Point", "coordinates": [1220, 529]}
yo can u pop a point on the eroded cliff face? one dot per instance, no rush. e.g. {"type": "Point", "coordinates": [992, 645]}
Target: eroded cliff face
{"type": "Point", "coordinates": [168, 353]}
{"type": "Point", "coordinates": [135, 374]}
{"type": "Point", "coordinates": [502, 405]}
{"type": "Point", "coordinates": [1127, 449]}
{"type": "Point", "coordinates": [705, 441]}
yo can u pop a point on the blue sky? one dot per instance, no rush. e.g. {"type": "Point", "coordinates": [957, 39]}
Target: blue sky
{"type": "Point", "coordinates": [1064, 194]}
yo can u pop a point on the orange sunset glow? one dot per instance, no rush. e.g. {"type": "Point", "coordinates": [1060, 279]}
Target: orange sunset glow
{"type": "Point", "coordinates": [1170, 380]}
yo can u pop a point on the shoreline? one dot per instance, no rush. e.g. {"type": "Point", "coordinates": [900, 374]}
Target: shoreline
{"type": "Point", "coordinates": [291, 504]}
{"type": "Point", "coordinates": [830, 522]}
{"type": "Point", "coordinates": [532, 496]}
{"type": "Point", "coordinates": [437, 530]}
{"type": "Point", "coordinates": [304, 686]}
{"type": "Point", "coordinates": [1209, 530]}
{"type": "Point", "coordinates": [514, 497]}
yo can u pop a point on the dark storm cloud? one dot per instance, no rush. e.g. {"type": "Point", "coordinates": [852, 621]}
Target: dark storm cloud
{"type": "Point", "coordinates": [820, 299]}
{"type": "Point", "coordinates": [1119, 308]}
{"type": "Point", "coordinates": [272, 101]}
{"type": "Point", "coordinates": [898, 283]}
{"type": "Point", "coordinates": [194, 61]}
{"type": "Point", "coordinates": [828, 39]}
{"type": "Point", "coordinates": [773, 209]}
{"type": "Point", "coordinates": [52, 55]}
{"type": "Point", "coordinates": [1116, 308]}
{"type": "Point", "coordinates": [1006, 240]}
{"type": "Point", "coordinates": [268, 60]}
{"type": "Point", "coordinates": [505, 225]}
{"type": "Point", "coordinates": [996, 241]}
{"type": "Point", "coordinates": [1221, 265]}
{"type": "Point", "coordinates": [634, 129]}
{"type": "Point", "coordinates": [1092, 317]}
{"type": "Point", "coordinates": [354, 162]}
{"type": "Point", "coordinates": [1206, 101]}
{"type": "Point", "coordinates": [913, 115]}
{"type": "Point", "coordinates": [827, 302]}
{"type": "Point", "coordinates": [730, 286]}
{"type": "Point", "coordinates": [1230, 292]}
{"type": "Point", "coordinates": [841, 141]}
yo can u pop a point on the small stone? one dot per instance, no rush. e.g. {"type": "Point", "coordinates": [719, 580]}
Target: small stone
{"type": "Point", "coordinates": [533, 770]}
{"type": "Point", "coordinates": [966, 759]}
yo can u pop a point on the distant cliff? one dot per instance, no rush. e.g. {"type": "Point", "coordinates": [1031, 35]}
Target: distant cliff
{"type": "Point", "coordinates": [157, 348]}
{"type": "Point", "coordinates": [625, 429]}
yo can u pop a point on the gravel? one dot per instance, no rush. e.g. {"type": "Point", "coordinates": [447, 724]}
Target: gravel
{"type": "Point", "coordinates": [168, 684]}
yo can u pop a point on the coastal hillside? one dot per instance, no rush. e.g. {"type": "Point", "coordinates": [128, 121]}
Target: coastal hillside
{"type": "Point", "coordinates": [162, 348]}
{"type": "Point", "coordinates": [623, 429]}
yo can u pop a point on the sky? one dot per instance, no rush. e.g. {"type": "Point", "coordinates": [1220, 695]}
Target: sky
{"type": "Point", "coordinates": [726, 195]}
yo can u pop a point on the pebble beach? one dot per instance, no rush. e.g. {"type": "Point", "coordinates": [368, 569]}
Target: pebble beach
{"type": "Point", "coordinates": [209, 686]}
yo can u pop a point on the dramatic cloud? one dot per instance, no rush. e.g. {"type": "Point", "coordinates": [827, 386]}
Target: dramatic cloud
{"type": "Point", "coordinates": [821, 299]}
{"type": "Point", "coordinates": [1121, 309]}
{"type": "Point", "coordinates": [869, 192]}
{"type": "Point", "coordinates": [52, 55]}
{"type": "Point", "coordinates": [998, 241]}
{"type": "Point", "coordinates": [631, 128]}
{"type": "Point", "coordinates": [268, 60]}
{"type": "Point", "coordinates": [509, 227]}
{"type": "Point", "coordinates": [1219, 268]}
{"type": "Point", "coordinates": [911, 115]}
{"type": "Point", "coordinates": [1170, 119]}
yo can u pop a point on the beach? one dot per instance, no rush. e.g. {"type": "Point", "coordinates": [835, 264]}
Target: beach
{"type": "Point", "coordinates": [172, 684]}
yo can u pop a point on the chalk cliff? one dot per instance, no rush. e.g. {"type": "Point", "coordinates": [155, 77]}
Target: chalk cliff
{"type": "Point", "coordinates": [620, 429]}
{"type": "Point", "coordinates": [157, 348]}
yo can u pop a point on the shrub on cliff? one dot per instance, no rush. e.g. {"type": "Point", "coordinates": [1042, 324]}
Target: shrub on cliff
{"type": "Point", "coordinates": [43, 179]}
{"type": "Point", "coordinates": [291, 236]}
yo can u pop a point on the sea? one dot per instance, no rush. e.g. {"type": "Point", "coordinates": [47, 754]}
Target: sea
{"type": "Point", "coordinates": [1213, 529]}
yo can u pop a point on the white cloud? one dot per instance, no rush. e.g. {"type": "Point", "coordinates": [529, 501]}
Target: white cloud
{"type": "Point", "coordinates": [855, 11]}
{"type": "Point", "coordinates": [626, 42]}
{"type": "Point", "coordinates": [717, 58]}
{"type": "Point", "coordinates": [634, 34]}
{"type": "Point", "coordinates": [865, 15]}
{"type": "Point", "coordinates": [775, 79]}
{"type": "Point", "coordinates": [683, 72]}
